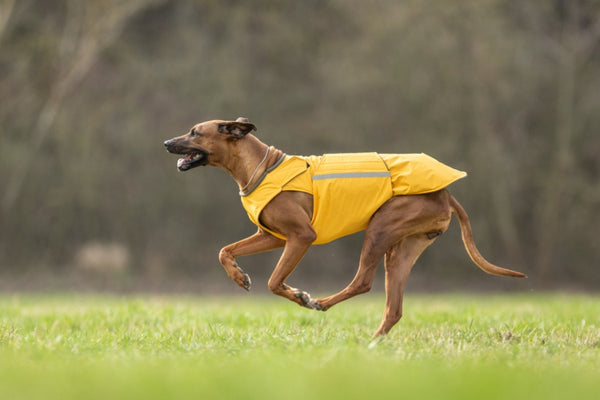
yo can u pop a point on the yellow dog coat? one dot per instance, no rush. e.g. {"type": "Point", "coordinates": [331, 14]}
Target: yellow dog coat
{"type": "Point", "coordinates": [347, 189]}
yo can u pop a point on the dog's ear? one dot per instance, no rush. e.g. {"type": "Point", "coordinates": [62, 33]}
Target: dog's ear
{"type": "Point", "coordinates": [236, 129]}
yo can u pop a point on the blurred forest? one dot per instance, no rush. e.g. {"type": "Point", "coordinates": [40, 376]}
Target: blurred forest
{"type": "Point", "coordinates": [507, 90]}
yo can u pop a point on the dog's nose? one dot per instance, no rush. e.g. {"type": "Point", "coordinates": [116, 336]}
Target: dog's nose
{"type": "Point", "coordinates": [170, 145]}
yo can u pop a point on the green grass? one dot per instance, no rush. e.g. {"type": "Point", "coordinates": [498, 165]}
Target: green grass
{"type": "Point", "coordinates": [446, 347]}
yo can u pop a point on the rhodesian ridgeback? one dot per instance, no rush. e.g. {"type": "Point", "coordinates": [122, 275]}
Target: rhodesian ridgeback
{"type": "Point", "coordinates": [398, 227]}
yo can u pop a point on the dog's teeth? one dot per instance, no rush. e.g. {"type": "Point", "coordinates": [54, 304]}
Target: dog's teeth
{"type": "Point", "coordinates": [180, 162]}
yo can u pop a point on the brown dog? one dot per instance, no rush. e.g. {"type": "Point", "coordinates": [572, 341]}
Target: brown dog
{"type": "Point", "coordinates": [399, 229]}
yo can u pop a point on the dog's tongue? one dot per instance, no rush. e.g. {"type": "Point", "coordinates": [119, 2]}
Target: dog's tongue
{"type": "Point", "coordinates": [185, 159]}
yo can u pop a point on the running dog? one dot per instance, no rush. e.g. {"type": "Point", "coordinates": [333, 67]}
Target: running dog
{"type": "Point", "coordinates": [399, 199]}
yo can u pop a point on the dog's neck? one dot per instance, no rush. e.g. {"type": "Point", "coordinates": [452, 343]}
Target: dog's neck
{"type": "Point", "coordinates": [248, 159]}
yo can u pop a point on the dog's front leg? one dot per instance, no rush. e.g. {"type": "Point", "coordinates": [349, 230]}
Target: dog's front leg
{"type": "Point", "coordinates": [257, 243]}
{"type": "Point", "coordinates": [294, 250]}
{"type": "Point", "coordinates": [289, 213]}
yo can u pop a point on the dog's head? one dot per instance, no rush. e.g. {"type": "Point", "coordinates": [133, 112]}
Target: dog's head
{"type": "Point", "coordinates": [207, 142]}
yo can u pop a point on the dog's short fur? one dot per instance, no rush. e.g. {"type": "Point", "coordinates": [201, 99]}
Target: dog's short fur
{"type": "Point", "coordinates": [400, 230]}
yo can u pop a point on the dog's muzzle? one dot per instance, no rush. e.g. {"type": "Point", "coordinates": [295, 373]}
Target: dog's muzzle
{"type": "Point", "coordinates": [193, 157]}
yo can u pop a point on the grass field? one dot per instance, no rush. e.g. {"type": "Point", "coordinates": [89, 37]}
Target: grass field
{"type": "Point", "coordinates": [446, 347]}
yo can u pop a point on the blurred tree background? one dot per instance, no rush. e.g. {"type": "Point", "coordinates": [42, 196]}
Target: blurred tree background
{"type": "Point", "coordinates": [507, 90]}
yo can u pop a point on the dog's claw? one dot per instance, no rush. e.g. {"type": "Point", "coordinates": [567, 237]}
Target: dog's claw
{"type": "Point", "coordinates": [247, 282]}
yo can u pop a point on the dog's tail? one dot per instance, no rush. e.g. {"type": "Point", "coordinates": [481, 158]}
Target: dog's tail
{"type": "Point", "coordinates": [467, 236]}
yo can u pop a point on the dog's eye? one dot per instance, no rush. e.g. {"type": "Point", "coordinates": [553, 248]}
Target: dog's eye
{"type": "Point", "coordinates": [193, 132]}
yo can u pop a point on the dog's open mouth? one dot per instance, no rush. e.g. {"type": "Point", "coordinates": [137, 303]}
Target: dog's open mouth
{"type": "Point", "coordinates": [191, 160]}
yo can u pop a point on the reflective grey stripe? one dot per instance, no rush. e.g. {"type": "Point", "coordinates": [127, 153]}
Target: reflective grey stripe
{"type": "Point", "coordinates": [385, 174]}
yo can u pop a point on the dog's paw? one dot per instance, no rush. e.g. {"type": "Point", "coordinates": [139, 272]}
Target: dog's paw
{"type": "Point", "coordinates": [241, 278]}
{"type": "Point", "coordinates": [307, 301]}
{"type": "Point", "coordinates": [322, 304]}
{"type": "Point", "coordinates": [375, 342]}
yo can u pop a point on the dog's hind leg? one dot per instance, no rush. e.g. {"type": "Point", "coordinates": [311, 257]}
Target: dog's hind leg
{"type": "Point", "coordinates": [400, 219]}
{"type": "Point", "coordinates": [371, 255]}
{"type": "Point", "coordinates": [399, 260]}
